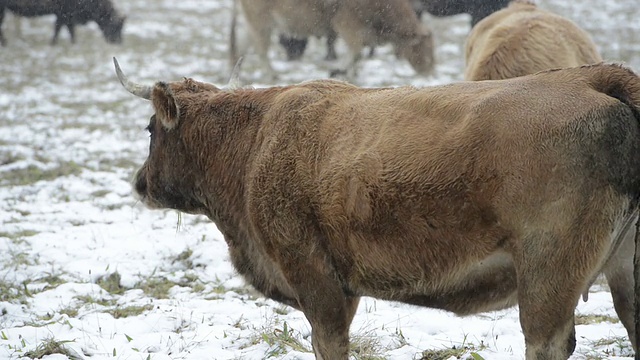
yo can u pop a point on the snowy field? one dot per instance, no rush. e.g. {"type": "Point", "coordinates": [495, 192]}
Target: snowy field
{"type": "Point", "coordinates": [88, 273]}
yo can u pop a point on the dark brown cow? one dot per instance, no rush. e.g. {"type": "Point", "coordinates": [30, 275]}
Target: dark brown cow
{"type": "Point", "coordinates": [522, 39]}
{"type": "Point", "coordinates": [69, 13]}
{"type": "Point", "coordinates": [467, 197]}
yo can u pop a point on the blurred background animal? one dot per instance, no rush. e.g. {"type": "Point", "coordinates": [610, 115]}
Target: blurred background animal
{"type": "Point", "coordinates": [359, 23]}
{"type": "Point", "coordinates": [69, 13]}
{"type": "Point", "coordinates": [477, 10]}
{"type": "Point", "coordinates": [522, 39]}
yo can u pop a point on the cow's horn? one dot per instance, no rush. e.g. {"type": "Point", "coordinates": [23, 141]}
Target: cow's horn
{"type": "Point", "coordinates": [234, 80]}
{"type": "Point", "coordinates": [142, 91]}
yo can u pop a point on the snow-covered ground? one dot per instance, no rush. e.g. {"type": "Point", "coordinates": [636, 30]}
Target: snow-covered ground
{"type": "Point", "coordinates": [88, 272]}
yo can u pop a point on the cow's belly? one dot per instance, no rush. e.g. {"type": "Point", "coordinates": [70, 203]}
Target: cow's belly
{"type": "Point", "coordinates": [486, 285]}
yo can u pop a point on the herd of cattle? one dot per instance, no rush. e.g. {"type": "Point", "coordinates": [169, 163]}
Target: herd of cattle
{"type": "Point", "coordinates": [467, 197]}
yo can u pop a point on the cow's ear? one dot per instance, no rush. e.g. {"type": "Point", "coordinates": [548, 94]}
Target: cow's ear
{"type": "Point", "coordinates": [165, 105]}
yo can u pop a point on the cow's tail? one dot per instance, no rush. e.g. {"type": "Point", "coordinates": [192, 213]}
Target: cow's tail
{"type": "Point", "coordinates": [233, 44]}
{"type": "Point", "coordinates": [623, 84]}
{"type": "Point", "coordinates": [617, 81]}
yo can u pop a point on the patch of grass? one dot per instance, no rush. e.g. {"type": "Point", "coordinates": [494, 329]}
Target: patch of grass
{"type": "Point", "coordinates": [13, 293]}
{"type": "Point", "coordinates": [184, 258]}
{"type": "Point", "coordinates": [218, 291]}
{"type": "Point", "coordinates": [87, 299]}
{"type": "Point", "coordinates": [159, 286]}
{"type": "Point", "coordinates": [18, 235]}
{"type": "Point", "coordinates": [127, 311]}
{"type": "Point", "coordinates": [111, 283]}
{"type": "Point", "coordinates": [466, 350]}
{"type": "Point", "coordinates": [32, 174]}
{"type": "Point", "coordinates": [85, 126]}
{"type": "Point", "coordinates": [365, 346]}
{"type": "Point", "coordinates": [7, 157]}
{"type": "Point", "coordinates": [53, 281]}
{"type": "Point", "coordinates": [585, 319]}
{"type": "Point", "coordinates": [281, 340]}
{"type": "Point", "coordinates": [49, 346]}
{"type": "Point", "coordinates": [282, 310]}
{"type": "Point", "coordinates": [156, 287]}
{"type": "Point", "coordinates": [19, 259]}
{"type": "Point", "coordinates": [100, 193]}
{"type": "Point", "coordinates": [123, 163]}
{"type": "Point", "coordinates": [607, 347]}
{"type": "Point", "coordinates": [70, 311]}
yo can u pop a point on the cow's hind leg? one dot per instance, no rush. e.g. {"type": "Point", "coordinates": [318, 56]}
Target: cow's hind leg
{"type": "Point", "coordinates": [553, 270]}
{"type": "Point", "coordinates": [619, 273]}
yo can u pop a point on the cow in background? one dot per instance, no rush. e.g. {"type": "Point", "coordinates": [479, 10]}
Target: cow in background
{"type": "Point", "coordinates": [69, 13]}
{"type": "Point", "coordinates": [468, 197]}
{"type": "Point", "coordinates": [478, 9]}
{"type": "Point", "coordinates": [475, 8]}
{"type": "Point", "coordinates": [522, 39]}
{"type": "Point", "coordinates": [359, 22]}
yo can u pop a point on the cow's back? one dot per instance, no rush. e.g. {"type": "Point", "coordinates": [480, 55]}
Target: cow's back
{"type": "Point", "coordinates": [522, 39]}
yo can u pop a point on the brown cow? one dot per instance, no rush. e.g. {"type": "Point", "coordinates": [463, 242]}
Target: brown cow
{"type": "Point", "coordinates": [522, 39]}
{"type": "Point", "coordinates": [359, 22]}
{"type": "Point", "coordinates": [476, 9]}
{"type": "Point", "coordinates": [466, 197]}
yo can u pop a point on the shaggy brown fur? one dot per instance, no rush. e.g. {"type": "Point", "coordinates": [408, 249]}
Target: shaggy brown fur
{"type": "Point", "coordinates": [467, 197]}
{"type": "Point", "coordinates": [522, 39]}
{"type": "Point", "coordinates": [359, 22]}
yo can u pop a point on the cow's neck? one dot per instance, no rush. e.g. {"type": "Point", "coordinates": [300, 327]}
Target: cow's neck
{"type": "Point", "coordinates": [234, 121]}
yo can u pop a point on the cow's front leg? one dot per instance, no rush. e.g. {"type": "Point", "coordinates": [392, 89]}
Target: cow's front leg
{"type": "Point", "coordinates": [72, 32]}
{"type": "Point", "coordinates": [56, 30]}
{"type": "Point", "coordinates": [325, 305]}
{"type": "Point", "coordinates": [353, 33]}
{"type": "Point", "coordinates": [260, 26]}
{"type": "Point", "coordinates": [331, 340]}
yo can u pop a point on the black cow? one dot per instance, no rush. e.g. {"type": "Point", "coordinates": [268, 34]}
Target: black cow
{"type": "Point", "coordinates": [477, 9]}
{"type": "Point", "coordinates": [69, 13]}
